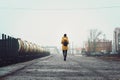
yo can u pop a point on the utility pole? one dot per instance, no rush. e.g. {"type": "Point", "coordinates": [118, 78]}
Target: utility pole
{"type": "Point", "coordinates": [72, 48]}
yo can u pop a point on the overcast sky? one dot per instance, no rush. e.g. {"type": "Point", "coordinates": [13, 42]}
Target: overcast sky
{"type": "Point", "coordinates": [45, 21]}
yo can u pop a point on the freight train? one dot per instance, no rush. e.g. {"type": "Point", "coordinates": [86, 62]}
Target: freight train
{"type": "Point", "coordinates": [13, 48]}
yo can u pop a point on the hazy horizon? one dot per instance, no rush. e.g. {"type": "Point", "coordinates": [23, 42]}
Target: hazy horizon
{"type": "Point", "coordinates": [45, 21]}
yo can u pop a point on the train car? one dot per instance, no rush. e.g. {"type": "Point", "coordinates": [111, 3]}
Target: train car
{"type": "Point", "coordinates": [11, 48]}
{"type": "Point", "coordinates": [8, 48]}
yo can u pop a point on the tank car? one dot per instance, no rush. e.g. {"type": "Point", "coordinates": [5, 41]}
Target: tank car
{"type": "Point", "coordinates": [15, 47]}
{"type": "Point", "coordinates": [28, 48]}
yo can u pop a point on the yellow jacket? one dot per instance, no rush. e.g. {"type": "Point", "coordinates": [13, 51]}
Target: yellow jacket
{"type": "Point", "coordinates": [64, 47]}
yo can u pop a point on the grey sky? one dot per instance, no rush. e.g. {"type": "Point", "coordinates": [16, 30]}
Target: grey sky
{"type": "Point", "coordinates": [45, 21]}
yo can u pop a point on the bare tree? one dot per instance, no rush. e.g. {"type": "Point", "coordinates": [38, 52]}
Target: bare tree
{"type": "Point", "coordinates": [93, 36]}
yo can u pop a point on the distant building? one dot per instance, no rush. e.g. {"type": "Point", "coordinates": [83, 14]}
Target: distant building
{"type": "Point", "coordinates": [116, 40]}
{"type": "Point", "coordinates": [101, 46]}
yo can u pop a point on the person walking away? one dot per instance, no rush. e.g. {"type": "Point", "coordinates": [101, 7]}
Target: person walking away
{"type": "Point", "coordinates": [65, 43]}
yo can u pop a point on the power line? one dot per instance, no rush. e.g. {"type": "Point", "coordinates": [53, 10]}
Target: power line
{"type": "Point", "coordinates": [107, 7]}
{"type": "Point", "coordinates": [37, 9]}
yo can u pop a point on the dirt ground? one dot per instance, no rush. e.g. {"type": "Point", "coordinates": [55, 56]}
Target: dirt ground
{"type": "Point", "coordinates": [111, 58]}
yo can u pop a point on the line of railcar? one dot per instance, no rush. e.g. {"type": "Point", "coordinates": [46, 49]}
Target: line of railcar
{"type": "Point", "coordinates": [14, 48]}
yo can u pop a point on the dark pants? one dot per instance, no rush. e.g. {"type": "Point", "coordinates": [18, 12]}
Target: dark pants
{"type": "Point", "coordinates": [64, 54]}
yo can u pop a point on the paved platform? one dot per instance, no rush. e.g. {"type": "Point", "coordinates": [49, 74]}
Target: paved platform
{"type": "Point", "coordinates": [74, 68]}
{"type": "Point", "coordinates": [7, 70]}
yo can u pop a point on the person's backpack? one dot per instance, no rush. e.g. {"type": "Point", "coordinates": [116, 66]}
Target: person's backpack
{"type": "Point", "coordinates": [65, 43]}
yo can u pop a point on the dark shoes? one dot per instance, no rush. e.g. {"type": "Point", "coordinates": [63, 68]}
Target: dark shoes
{"type": "Point", "coordinates": [64, 59]}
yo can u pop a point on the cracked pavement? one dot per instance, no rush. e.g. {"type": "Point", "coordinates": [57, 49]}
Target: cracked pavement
{"type": "Point", "coordinates": [76, 67]}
